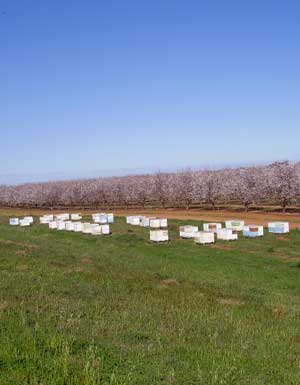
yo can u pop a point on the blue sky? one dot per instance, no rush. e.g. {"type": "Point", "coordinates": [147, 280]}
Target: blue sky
{"type": "Point", "coordinates": [91, 87]}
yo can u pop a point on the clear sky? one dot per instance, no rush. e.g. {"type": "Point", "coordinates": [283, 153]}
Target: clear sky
{"type": "Point", "coordinates": [91, 86]}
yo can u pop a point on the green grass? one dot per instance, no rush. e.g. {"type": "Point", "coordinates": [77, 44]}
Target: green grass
{"type": "Point", "coordinates": [84, 310]}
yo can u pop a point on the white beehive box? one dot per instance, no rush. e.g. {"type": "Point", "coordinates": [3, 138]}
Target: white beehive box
{"type": "Point", "coordinates": [103, 219]}
{"type": "Point", "coordinates": [95, 229]}
{"type": "Point", "coordinates": [279, 227]}
{"type": "Point", "coordinates": [76, 217]}
{"type": "Point", "coordinates": [227, 235]}
{"type": "Point", "coordinates": [128, 220]}
{"type": "Point", "coordinates": [44, 220]}
{"type": "Point", "coordinates": [53, 225]}
{"type": "Point", "coordinates": [159, 235]}
{"type": "Point", "coordinates": [24, 222]}
{"type": "Point", "coordinates": [145, 221]}
{"type": "Point", "coordinates": [62, 217]}
{"type": "Point", "coordinates": [14, 221]}
{"type": "Point", "coordinates": [133, 220]}
{"type": "Point", "coordinates": [163, 222]}
{"type": "Point", "coordinates": [61, 225]}
{"type": "Point", "coordinates": [110, 218]}
{"type": "Point", "coordinates": [86, 228]}
{"type": "Point", "coordinates": [235, 224]}
{"type": "Point", "coordinates": [100, 218]}
{"type": "Point", "coordinates": [78, 227]}
{"type": "Point", "coordinates": [253, 231]}
{"type": "Point", "coordinates": [70, 226]}
{"type": "Point", "coordinates": [95, 215]}
{"type": "Point", "coordinates": [188, 231]}
{"type": "Point", "coordinates": [214, 227]}
{"type": "Point", "coordinates": [154, 223]}
{"type": "Point", "coordinates": [203, 237]}
{"type": "Point", "coordinates": [28, 219]}
{"type": "Point", "coordinates": [96, 218]}
{"type": "Point", "coordinates": [105, 229]}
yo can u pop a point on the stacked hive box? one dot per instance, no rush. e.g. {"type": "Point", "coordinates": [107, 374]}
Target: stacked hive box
{"type": "Point", "coordinates": [159, 235]}
{"type": "Point", "coordinates": [279, 227]}
{"type": "Point", "coordinates": [46, 219]}
{"type": "Point", "coordinates": [105, 229]}
{"type": "Point", "coordinates": [227, 235]}
{"type": "Point", "coordinates": [235, 224]}
{"type": "Point", "coordinates": [24, 222]}
{"type": "Point", "coordinates": [70, 226]}
{"type": "Point", "coordinates": [61, 225]}
{"type": "Point", "coordinates": [110, 218]}
{"type": "Point", "coordinates": [214, 227]}
{"type": "Point", "coordinates": [188, 231]}
{"type": "Point", "coordinates": [14, 221]}
{"type": "Point", "coordinates": [158, 223]}
{"type": "Point", "coordinates": [76, 217]}
{"type": "Point", "coordinates": [78, 226]}
{"type": "Point", "coordinates": [53, 225]}
{"type": "Point", "coordinates": [62, 217]}
{"type": "Point", "coordinates": [134, 220]}
{"type": "Point", "coordinates": [253, 231]}
{"type": "Point", "coordinates": [203, 237]}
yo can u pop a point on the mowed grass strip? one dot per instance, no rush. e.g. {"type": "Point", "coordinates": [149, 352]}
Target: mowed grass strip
{"type": "Point", "coordinates": [79, 309]}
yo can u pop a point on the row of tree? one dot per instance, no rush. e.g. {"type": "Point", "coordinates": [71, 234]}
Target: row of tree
{"type": "Point", "coordinates": [277, 183]}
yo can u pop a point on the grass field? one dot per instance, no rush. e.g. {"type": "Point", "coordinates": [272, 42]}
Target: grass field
{"type": "Point", "coordinates": [84, 310]}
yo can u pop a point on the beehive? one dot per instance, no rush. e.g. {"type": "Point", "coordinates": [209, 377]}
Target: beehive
{"type": "Point", "coordinates": [105, 229]}
{"type": "Point", "coordinates": [28, 219]}
{"type": "Point", "coordinates": [86, 228]}
{"type": "Point", "coordinates": [159, 235]}
{"type": "Point", "coordinates": [279, 227]}
{"type": "Point", "coordinates": [70, 226]}
{"type": "Point", "coordinates": [78, 227]}
{"type": "Point", "coordinates": [110, 218]}
{"type": "Point", "coordinates": [24, 222]}
{"type": "Point", "coordinates": [62, 217]}
{"type": "Point", "coordinates": [154, 223]}
{"type": "Point", "coordinates": [76, 217]}
{"type": "Point", "coordinates": [133, 220]}
{"type": "Point", "coordinates": [203, 237]}
{"type": "Point", "coordinates": [163, 222]}
{"type": "Point", "coordinates": [95, 229]}
{"type": "Point", "coordinates": [253, 231]}
{"type": "Point", "coordinates": [235, 224]}
{"type": "Point", "coordinates": [214, 227]}
{"type": "Point", "coordinates": [46, 219]}
{"type": "Point", "coordinates": [53, 225]}
{"type": "Point", "coordinates": [188, 231]}
{"type": "Point", "coordinates": [61, 225]}
{"type": "Point", "coordinates": [14, 221]}
{"type": "Point", "coordinates": [144, 222]}
{"type": "Point", "coordinates": [227, 235]}
{"type": "Point", "coordinates": [101, 218]}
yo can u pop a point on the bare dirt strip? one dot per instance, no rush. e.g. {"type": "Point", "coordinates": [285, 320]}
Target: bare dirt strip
{"type": "Point", "coordinates": [252, 217]}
